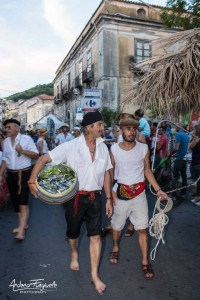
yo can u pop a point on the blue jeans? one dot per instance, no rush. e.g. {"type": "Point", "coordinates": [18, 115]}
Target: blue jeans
{"type": "Point", "coordinates": [180, 169]}
{"type": "Point", "coordinates": [195, 172]}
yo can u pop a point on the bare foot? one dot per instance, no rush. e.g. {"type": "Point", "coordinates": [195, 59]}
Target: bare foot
{"type": "Point", "coordinates": [74, 264]}
{"type": "Point", "coordinates": [99, 285]}
{"type": "Point", "coordinates": [20, 236]}
{"type": "Point", "coordinates": [16, 230]}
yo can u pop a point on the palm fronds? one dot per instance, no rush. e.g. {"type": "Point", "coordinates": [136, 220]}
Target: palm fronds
{"type": "Point", "coordinates": [171, 81]}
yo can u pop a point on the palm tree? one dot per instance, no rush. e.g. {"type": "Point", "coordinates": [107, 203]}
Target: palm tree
{"type": "Point", "coordinates": [171, 82]}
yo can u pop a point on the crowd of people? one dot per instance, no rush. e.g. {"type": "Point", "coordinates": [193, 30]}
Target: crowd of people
{"type": "Point", "coordinates": [117, 159]}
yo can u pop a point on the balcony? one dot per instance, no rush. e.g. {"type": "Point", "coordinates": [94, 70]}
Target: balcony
{"type": "Point", "coordinates": [78, 83]}
{"type": "Point", "coordinates": [88, 76]}
{"type": "Point", "coordinates": [66, 93]}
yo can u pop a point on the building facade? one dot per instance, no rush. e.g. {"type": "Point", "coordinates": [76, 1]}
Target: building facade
{"type": "Point", "coordinates": [117, 35]}
{"type": "Point", "coordinates": [33, 109]}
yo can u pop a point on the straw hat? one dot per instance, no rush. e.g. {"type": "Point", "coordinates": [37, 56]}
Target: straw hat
{"type": "Point", "coordinates": [64, 125]}
{"type": "Point", "coordinates": [43, 130]}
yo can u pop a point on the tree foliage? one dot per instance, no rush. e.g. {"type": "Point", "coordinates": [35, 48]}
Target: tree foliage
{"type": "Point", "coordinates": [35, 91]}
{"type": "Point", "coordinates": [109, 116]}
{"type": "Point", "coordinates": [182, 13]}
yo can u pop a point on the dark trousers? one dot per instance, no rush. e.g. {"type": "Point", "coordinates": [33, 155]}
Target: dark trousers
{"type": "Point", "coordinates": [18, 187]}
{"type": "Point", "coordinates": [89, 211]}
{"type": "Point", "coordinates": [180, 169]}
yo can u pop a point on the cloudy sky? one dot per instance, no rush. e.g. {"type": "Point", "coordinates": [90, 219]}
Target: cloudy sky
{"type": "Point", "coordinates": [35, 37]}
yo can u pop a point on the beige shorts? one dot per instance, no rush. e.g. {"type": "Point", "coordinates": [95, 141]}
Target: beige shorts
{"type": "Point", "coordinates": [135, 209]}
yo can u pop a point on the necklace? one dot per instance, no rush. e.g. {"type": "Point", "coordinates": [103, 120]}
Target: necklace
{"type": "Point", "coordinates": [92, 153]}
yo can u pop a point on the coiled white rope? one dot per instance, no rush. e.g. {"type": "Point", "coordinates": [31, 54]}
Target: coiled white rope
{"type": "Point", "coordinates": [158, 222]}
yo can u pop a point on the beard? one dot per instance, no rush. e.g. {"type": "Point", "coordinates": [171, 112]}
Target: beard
{"type": "Point", "coordinates": [129, 139]}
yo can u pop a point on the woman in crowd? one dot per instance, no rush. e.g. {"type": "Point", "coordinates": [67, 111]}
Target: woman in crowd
{"type": "Point", "coordinates": [41, 142]}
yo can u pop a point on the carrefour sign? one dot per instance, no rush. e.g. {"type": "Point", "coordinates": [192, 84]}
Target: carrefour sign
{"type": "Point", "coordinates": [90, 103]}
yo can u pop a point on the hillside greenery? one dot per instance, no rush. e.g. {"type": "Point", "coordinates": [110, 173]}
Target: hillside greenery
{"type": "Point", "coordinates": [32, 92]}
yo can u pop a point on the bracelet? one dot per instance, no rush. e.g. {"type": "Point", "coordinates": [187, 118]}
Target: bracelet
{"type": "Point", "coordinates": [158, 190]}
{"type": "Point", "coordinates": [108, 198]}
{"type": "Point", "coordinates": [29, 182]}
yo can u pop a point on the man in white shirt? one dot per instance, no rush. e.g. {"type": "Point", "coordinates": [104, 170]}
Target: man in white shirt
{"type": "Point", "coordinates": [89, 157]}
{"type": "Point", "coordinates": [18, 151]}
{"type": "Point", "coordinates": [65, 135]}
{"type": "Point", "coordinates": [130, 159]}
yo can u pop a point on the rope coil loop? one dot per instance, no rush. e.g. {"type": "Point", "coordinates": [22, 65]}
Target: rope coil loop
{"type": "Point", "coordinates": [158, 222]}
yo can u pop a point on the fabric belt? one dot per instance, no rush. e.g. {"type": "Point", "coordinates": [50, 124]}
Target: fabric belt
{"type": "Point", "coordinates": [19, 177]}
{"type": "Point", "coordinates": [127, 192]}
{"type": "Point", "coordinates": [20, 170]}
{"type": "Point", "coordinates": [80, 193]}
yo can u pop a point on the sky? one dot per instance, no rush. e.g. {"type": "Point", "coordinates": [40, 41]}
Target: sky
{"type": "Point", "coordinates": [35, 37]}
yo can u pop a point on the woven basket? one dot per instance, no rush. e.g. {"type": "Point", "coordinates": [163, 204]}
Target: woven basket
{"type": "Point", "coordinates": [57, 184]}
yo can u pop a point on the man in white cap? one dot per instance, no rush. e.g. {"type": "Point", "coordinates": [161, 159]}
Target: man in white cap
{"type": "Point", "coordinates": [89, 157]}
{"type": "Point", "coordinates": [65, 135]}
{"type": "Point", "coordinates": [76, 131]}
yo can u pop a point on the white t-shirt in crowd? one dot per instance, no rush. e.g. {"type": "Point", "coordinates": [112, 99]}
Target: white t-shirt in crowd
{"type": "Point", "coordinates": [61, 138]}
{"type": "Point", "coordinates": [10, 155]}
{"type": "Point", "coordinates": [129, 165]}
{"type": "Point", "coordinates": [45, 146]}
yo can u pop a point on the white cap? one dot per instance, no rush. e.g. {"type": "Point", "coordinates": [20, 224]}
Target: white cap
{"type": "Point", "coordinates": [77, 128]}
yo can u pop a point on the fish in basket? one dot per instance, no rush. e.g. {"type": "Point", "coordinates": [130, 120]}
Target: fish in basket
{"type": "Point", "coordinates": [57, 184]}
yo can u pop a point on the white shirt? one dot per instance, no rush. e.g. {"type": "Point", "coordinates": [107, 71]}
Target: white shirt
{"type": "Point", "coordinates": [10, 155]}
{"type": "Point", "coordinates": [129, 165]}
{"type": "Point", "coordinates": [77, 155]}
{"type": "Point", "coordinates": [61, 138]}
{"type": "Point", "coordinates": [45, 146]}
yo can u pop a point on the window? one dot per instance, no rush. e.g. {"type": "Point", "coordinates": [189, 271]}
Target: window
{"type": "Point", "coordinates": [141, 12]}
{"type": "Point", "coordinates": [142, 50]}
{"type": "Point", "coordinates": [61, 88]}
{"type": "Point", "coordinates": [57, 92]}
{"type": "Point", "coordinates": [80, 72]}
{"type": "Point", "coordinates": [68, 82]}
{"type": "Point", "coordinates": [89, 62]}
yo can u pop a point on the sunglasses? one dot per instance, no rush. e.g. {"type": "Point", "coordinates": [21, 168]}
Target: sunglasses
{"type": "Point", "coordinates": [43, 131]}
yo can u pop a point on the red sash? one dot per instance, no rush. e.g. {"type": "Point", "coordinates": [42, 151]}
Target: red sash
{"type": "Point", "coordinates": [91, 197]}
{"type": "Point", "coordinates": [127, 192]}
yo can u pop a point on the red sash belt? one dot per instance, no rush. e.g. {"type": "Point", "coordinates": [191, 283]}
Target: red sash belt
{"type": "Point", "coordinates": [91, 197]}
{"type": "Point", "coordinates": [127, 192]}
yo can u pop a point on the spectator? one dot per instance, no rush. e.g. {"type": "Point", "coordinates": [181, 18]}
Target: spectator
{"type": "Point", "coordinates": [65, 135]}
{"type": "Point", "coordinates": [181, 149]}
{"type": "Point", "coordinates": [194, 146]}
{"type": "Point", "coordinates": [162, 146]}
{"type": "Point", "coordinates": [41, 142]}
{"type": "Point", "coordinates": [18, 150]}
{"type": "Point", "coordinates": [107, 138]}
{"type": "Point", "coordinates": [76, 131]}
{"type": "Point", "coordinates": [144, 127]}
{"type": "Point", "coordinates": [1, 145]}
